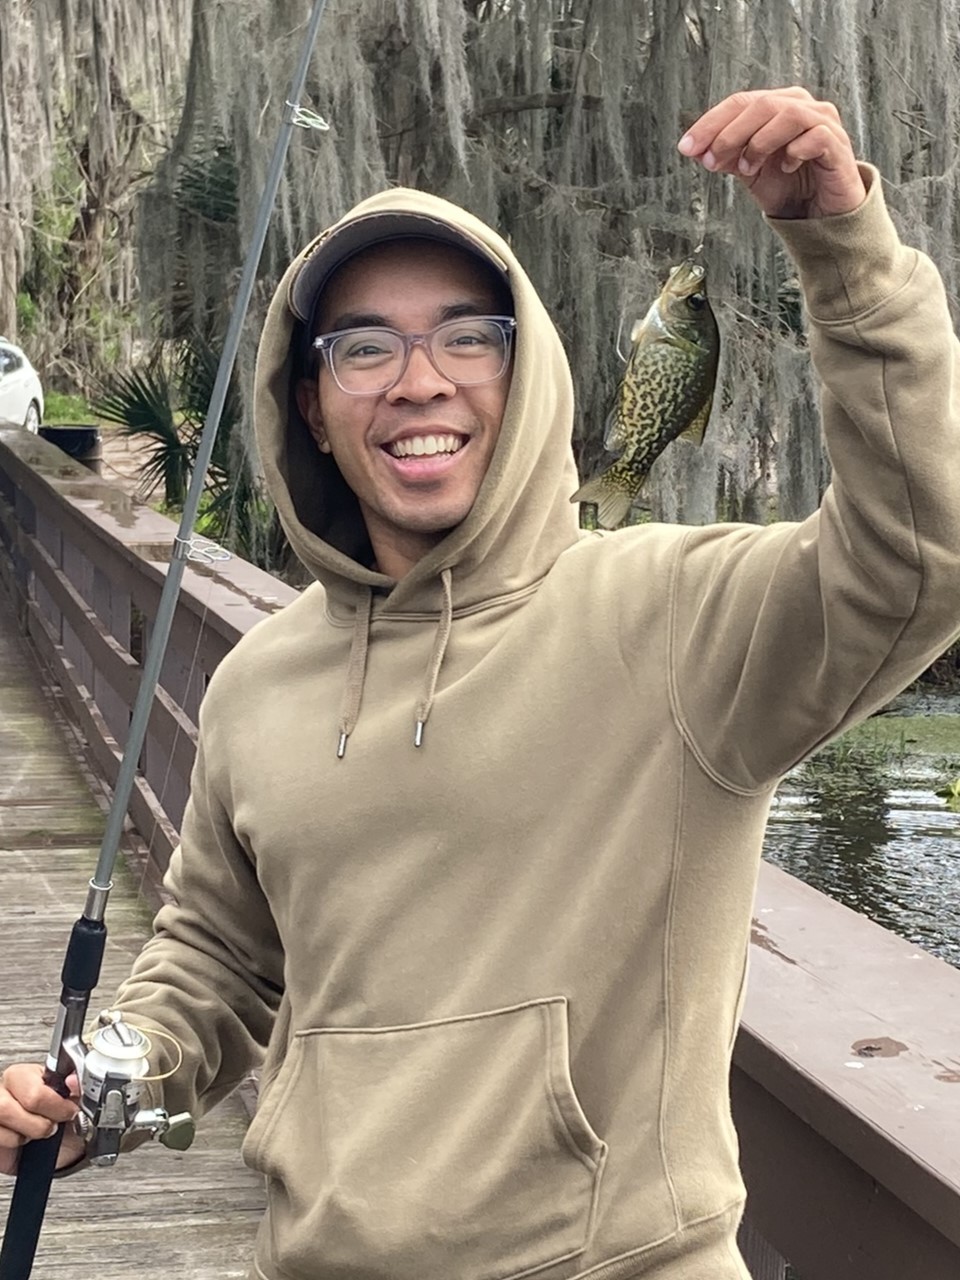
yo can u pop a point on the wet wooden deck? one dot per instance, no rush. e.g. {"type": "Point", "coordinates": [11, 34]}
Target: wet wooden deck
{"type": "Point", "coordinates": [159, 1212]}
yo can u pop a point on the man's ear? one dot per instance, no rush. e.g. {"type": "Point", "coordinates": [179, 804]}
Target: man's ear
{"type": "Point", "coordinates": [308, 402]}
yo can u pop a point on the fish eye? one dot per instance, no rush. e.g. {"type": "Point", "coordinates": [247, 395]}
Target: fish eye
{"type": "Point", "coordinates": [697, 301]}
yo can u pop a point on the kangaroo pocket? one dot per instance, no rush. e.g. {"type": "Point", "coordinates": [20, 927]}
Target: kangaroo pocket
{"type": "Point", "coordinates": [448, 1148]}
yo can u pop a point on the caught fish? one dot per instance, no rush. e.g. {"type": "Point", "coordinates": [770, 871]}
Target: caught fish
{"type": "Point", "coordinates": [666, 391]}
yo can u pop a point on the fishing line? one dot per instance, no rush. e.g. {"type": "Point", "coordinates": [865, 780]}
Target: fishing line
{"type": "Point", "coordinates": [161, 794]}
{"type": "Point", "coordinates": [700, 203]}
{"type": "Point", "coordinates": [205, 551]}
{"type": "Point", "coordinates": [149, 1034]}
{"type": "Point", "coordinates": [707, 187]}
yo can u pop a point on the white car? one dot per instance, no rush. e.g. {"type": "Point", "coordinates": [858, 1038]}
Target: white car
{"type": "Point", "coordinates": [21, 395]}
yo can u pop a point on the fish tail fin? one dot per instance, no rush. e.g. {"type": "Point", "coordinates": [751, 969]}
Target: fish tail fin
{"type": "Point", "coordinates": [613, 503]}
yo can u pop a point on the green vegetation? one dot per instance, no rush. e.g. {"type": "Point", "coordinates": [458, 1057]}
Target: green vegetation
{"type": "Point", "coordinates": [60, 407]}
{"type": "Point", "coordinates": [144, 403]}
{"type": "Point", "coordinates": [850, 777]}
{"type": "Point", "coordinates": [847, 776]}
{"type": "Point", "coordinates": [165, 401]}
{"type": "Point", "coordinates": [916, 735]}
{"type": "Point", "coordinates": [27, 317]}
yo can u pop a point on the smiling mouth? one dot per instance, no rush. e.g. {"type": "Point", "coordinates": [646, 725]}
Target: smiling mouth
{"type": "Point", "coordinates": [425, 446]}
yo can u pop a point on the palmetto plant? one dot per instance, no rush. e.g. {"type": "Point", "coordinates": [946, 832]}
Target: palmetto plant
{"type": "Point", "coordinates": [236, 512]}
{"type": "Point", "coordinates": [144, 403]}
{"type": "Point", "coordinates": [165, 403]}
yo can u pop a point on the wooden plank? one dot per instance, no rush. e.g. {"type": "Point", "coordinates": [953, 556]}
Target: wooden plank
{"type": "Point", "coordinates": [853, 1031]}
{"type": "Point", "coordinates": [820, 1209]}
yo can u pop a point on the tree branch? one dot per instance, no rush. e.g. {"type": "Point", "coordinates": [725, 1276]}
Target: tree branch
{"type": "Point", "coordinates": [509, 106]}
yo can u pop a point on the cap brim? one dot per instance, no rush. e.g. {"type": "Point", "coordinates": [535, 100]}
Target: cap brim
{"type": "Point", "coordinates": [332, 250]}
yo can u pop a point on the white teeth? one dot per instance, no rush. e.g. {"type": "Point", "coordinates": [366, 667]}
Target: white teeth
{"type": "Point", "coordinates": [420, 446]}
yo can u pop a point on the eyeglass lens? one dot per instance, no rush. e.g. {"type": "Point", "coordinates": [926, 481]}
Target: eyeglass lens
{"type": "Point", "coordinates": [467, 351]}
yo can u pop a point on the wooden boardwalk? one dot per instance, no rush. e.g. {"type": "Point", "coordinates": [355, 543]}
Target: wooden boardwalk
{"type": "Point", "coordinates": [159, 1213]}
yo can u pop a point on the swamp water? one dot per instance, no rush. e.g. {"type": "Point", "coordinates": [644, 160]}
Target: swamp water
{"type": "Point", "coordinates": [862, 821]}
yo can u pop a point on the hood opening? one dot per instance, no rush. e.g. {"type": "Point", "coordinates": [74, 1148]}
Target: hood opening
{"type": "Point", "coordinates": [337, 519]}
{"type": "Point", "coordinates": [522, 517]}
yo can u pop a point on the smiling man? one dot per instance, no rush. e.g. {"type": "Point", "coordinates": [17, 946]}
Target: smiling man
{"type": "Point", "coordinates": [469, 860]}
{"type": "Point", "coordinates": [411, 422]}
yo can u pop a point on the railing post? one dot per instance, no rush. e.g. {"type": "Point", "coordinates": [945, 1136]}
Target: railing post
{"type": "Point", "coordinates": [111, 604]}
{"type": "Point", "coordinates": [763, 1261]}
{"type": "Point", "coordinates": [25, 514]}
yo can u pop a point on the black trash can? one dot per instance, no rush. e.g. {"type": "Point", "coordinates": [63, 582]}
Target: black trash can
{"type": "Point", "coordinates": [80, 442]}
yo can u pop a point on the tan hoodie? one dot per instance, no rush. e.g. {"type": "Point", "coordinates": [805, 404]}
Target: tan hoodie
{"type": "Point", "coordinates": [497, 976]}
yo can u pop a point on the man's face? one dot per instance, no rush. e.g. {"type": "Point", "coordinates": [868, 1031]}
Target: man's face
{"type": "Point", "coordinates": [409, 501]}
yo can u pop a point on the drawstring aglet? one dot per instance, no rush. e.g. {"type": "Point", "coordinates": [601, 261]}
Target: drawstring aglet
{"type": "Point", "coordinates": [341, 746]}
{"type": "Point", "coordinates": [418, 736]}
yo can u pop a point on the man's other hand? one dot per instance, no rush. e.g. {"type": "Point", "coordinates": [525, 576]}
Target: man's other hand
{"type": "Point", "coordinates": [790, 151]}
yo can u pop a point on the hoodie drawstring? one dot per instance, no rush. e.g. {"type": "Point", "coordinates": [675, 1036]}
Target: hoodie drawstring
{"type": "Point", "coordinates": [440, 641]}
{"type": "Point", "coordinates": [357, 664]}
{"type": "Point", "coordinates": [356, 670]}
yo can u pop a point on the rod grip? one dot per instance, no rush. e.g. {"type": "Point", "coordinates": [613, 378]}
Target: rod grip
{"type": "Point", "coordinates": [38, 1160]}
{"type": "Point", "coordinates": [81, 964]}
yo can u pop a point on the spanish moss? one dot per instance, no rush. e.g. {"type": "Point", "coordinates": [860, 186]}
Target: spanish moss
{"type": "Point", "coordinates": [554, 120]}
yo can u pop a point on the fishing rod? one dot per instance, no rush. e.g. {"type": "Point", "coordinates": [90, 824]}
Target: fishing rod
{"type": "Point", "coordinates": [112, 1069]}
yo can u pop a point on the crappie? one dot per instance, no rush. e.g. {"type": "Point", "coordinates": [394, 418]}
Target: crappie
{"type": "Point", "coordinates": [666, 391]}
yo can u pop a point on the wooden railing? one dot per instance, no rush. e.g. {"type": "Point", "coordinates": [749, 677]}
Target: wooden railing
{"type": "Point", "coordinates": [86, 566]}
{"type": "Point", "coordinates": [846, 1079]}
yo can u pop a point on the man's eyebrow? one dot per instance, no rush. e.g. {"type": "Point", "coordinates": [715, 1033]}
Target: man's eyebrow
{"type": "Point", "coordinates": [455, 310]}
{"type": "Point", "coordinates": [373, 320]}
{"type": "Point", "coordinates": [359, 320]}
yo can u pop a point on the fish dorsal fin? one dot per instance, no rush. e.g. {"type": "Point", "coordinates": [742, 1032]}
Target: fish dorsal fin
{"type": "Point", "coordinates": [698, 427]}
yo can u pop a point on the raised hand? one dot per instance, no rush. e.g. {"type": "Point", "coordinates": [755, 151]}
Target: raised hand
{"type": "Point", "coordinates": [789, 150]}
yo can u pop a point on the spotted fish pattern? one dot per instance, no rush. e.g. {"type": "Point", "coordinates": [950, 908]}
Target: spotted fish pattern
{"type": "Point", "coordinates": [667, 391]}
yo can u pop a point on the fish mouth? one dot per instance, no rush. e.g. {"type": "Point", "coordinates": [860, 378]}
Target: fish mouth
{"type": "Point", "coordinates": [686, 278]}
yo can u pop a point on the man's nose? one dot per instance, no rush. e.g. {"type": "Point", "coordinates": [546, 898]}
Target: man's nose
{"type": "Point", "coordinates": [420, 381]}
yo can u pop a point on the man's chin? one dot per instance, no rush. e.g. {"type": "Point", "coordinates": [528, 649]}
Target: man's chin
{"type": "Point", "coordinates": [437, 528]}
{"type": "Point", "coordinates": [432, 520]}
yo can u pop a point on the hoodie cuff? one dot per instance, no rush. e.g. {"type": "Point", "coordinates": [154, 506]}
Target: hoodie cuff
{"type": "Point", "coordinates": [849, 262]}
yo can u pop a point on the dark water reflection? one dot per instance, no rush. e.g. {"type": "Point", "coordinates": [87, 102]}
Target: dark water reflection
{"type": "Point", "coordinates": [893, 856]}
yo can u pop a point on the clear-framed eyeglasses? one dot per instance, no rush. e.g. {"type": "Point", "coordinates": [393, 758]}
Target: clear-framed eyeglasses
{"type": "Point", "coordinates": [468, 352]}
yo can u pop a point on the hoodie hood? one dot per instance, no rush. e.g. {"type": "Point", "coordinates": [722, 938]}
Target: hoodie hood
{"type": "Point", "coordinates": [522, 518]}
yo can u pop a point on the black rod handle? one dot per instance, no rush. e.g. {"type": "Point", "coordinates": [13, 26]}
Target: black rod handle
{"type": "Point", "coordinates": [38, 1160]}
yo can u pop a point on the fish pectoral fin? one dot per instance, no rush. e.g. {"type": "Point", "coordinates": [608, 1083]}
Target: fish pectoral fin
{"type": "Point", "coordinates": [613, 503]}
{"type": "Point", "coordinates": [614, 432]}
{"type": "Point", "coordinates": [698, 427]}
{"type": "Point", "coordinates": [683, 344]}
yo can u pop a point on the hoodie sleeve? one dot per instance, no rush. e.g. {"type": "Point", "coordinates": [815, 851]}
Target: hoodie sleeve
{"type": "Point", "coordinates": [782, 637]}
{"type": "Point", "coordinates": [212, 974]}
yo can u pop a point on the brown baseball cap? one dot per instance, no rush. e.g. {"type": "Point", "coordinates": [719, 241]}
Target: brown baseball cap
{"type": "Point", "coordinates": [336, 246]}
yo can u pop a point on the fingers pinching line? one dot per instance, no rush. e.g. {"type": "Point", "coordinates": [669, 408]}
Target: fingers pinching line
{"type": "Point", "coordinates": [789, 149]}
